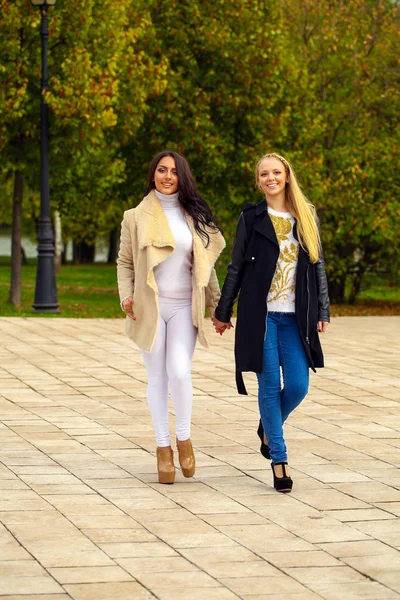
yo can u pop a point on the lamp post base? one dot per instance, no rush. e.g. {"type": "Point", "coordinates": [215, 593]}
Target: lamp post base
{"type": "Point", "coordinates": [46, 308]}
{"type": "Point", "coordinates": [46, 290]}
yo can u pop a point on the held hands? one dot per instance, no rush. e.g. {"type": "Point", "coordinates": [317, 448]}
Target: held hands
{"type": "Point", "coordinates": [220, 327]}
{"type": "Point", "coordinates": [127, 307]}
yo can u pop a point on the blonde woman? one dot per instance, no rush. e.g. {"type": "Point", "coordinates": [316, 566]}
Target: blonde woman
{"type": "Point", "coordinates": [277, 265]}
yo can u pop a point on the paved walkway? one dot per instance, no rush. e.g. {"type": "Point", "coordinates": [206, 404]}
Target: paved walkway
{"type": "Point", "coordinates": [82, 513]}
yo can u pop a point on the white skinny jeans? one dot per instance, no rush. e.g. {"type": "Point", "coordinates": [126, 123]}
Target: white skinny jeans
{"type": "Point", "coordinates": [170, 361]}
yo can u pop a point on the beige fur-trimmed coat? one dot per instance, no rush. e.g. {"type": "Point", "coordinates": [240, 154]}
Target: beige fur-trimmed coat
{"type": "Point", "coordinates": [146, 240]}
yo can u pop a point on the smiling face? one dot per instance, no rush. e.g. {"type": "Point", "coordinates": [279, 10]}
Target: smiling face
{"type": "Point", "coordinates": [272, 178]}
{"type": "Point", "coordinates": [165, 176]}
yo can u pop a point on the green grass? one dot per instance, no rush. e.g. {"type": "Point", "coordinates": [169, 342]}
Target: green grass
{"type": "Point", "coordinates": [83, 291]}
{"type": "Point", "coordinates": [379, 295]}
{"type": "Point", "coordinates": [91, 291]}
{"type": "Point", "coordinates": [379, 289]}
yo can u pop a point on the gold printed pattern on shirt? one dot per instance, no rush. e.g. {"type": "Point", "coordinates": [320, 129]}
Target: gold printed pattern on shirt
{"type": "Point", "coordinates": [284, 281]}
{"type": "Point", "coordinates": [282, 227]}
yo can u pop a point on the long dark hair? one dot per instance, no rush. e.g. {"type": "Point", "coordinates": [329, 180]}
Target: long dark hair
{"type": "Point", "coordinates": [189, 196]}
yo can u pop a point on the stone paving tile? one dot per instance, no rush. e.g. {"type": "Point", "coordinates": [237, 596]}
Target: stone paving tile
{"type": "Point", "coordinates": [29, 585]}
{"type": "Point", "coordinates": [89, 574]}
{"type": "Point", "coordinates": [365, 590]}
{"type": "Point", "coordinates": [177, 579]}
{"type": "Point", "coordinates": [214, 593]}
{"type": "Point", "coordinates": [384, 568]}
{"type": "Point", "coordinates": [369, 547]}
{"type": "Point", "coordinates": [310, 558]}
{"type": "Point", "coordinates": [193, 534]}
{"type": "Point", "coordinates": [304, 595]}
{"type": "Point", "coordinates": [360, 514]}
{"type": "Point", "coordinates": [260, 585]}
{"type": "Point", "coordinates": [138, 550]}
{"type": "Point", "coordinates": [83, 515]}
{"type": "Point", "coordinates": [108, 591]}
{"type": "Point", "coordinates": [324, 575]}
{"type": "Point", "coordinates": [106, 536]}
{"type": "Point", "coordinates": [233, 554]}
{"type": "Point", "coordinates": [165, 564]}
{"type": "Point", "coordinates": [392, 508]}
{"type": "Point", "coordinates": [61, 596]}
{"type": "Point", "coordinates": [255, 568]}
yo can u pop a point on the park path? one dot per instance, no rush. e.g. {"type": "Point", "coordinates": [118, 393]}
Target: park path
{"type": "Point", "coordinates": [82, 515]}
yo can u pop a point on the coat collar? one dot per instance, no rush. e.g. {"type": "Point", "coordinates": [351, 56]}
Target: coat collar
{"type": "Point", "coordinates": [261, 207]}
{"type": "Point", "coordinates": [205, 258]}
{"type": "Point", "coordinates": [265, 225]}
{"type": "Point", "coordinates": [154, 229]}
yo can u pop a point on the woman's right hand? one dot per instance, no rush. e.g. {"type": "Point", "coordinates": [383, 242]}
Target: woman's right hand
{"type": "Point", "coordinates": [220, 327]}
{"type": "Point", "coordinates": [127, 307]}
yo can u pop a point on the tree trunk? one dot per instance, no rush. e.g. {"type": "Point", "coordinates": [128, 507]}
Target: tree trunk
{"type": "Point", "coordinates": [112, 246]}
{"type": "Point", "coordinates": [58, 245]}
{"type": "Point", "coordinates": [24, 258]}
{"type": "Point", "coordinates": [15, 287]}
{"type": "Point", "coordinates": [83, 253]}
{"type": "Point", "coordinates": [337, 291]}
{"type": "Point", "coordinates": [356, 284]}
{"type": "Point", "coordinates": [64, 253]}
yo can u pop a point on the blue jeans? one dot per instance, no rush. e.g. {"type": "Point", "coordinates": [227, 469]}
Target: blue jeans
{"type": "Point", "coordinates": [282, 348]}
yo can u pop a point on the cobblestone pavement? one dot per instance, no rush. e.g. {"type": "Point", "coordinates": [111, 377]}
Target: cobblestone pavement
{"type": "Point", "coordinates": [82, 513]}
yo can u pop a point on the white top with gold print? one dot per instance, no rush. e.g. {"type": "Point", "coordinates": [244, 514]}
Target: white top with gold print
{"type": "Point", "coordinates": [281, 295]}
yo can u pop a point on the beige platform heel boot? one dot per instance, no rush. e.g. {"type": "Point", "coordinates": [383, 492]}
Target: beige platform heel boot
{"type": "Point", "coordinates": [165, 464]}
{"type": "Point", "coordinates": [186, 457]}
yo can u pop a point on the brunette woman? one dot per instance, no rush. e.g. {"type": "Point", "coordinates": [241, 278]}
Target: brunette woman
{"type": "Point", "coordinates": [278, 267]}
{"type": "Point", "coordinates": [166, 280]}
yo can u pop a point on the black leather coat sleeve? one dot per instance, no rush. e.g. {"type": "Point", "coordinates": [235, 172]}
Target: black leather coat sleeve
{"type": "Point", "coordinates": [233, 279]}
{"type": "Point", "coordinates": [322, 288]}
{"type": "Point", "coordinates": [322, 285]}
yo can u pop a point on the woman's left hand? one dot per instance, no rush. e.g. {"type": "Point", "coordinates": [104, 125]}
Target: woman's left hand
{"type": "Point", "coordinates": [322, 326]}
{"type": "Point", "coordinates": [220, 326]}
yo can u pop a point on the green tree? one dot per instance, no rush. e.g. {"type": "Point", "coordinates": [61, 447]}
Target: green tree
{"type": "Point", "coordinates": [350, 53]}
{"type": "Point", "coordinates": [223, 82]}
{"type": "Point", "coordinates": [225, 102]}
{"type": "Point", "coordinates": [314, 80]}
{"type": "Point", "coordinates": [99, 81]}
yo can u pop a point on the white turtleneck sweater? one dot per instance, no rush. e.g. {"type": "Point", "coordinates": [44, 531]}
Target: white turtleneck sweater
{"type": "Point", "coordinates": [174, 275]}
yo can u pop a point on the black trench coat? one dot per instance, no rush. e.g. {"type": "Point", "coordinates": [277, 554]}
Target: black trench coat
{"type": "Point", "coordinates": [251, 270]}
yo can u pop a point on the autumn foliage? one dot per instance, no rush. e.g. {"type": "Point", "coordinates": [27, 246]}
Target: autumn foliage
{"type": "Point", "coordinates": [223, 82]}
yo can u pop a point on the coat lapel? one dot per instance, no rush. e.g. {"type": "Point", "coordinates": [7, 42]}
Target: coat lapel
{"type": "Point", "coordinates": [154, 229]}
{"type": "Point", "coordinates": [205, 258]}
{"type": "Point", "coordinates": [154, 232]}
{"type": "Point", "coordinates": [264, 224]}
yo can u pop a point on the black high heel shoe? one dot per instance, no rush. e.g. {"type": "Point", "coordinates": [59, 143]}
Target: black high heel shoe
{"type": "Point", "coordinates": [282, 484]}
{"type": "Point", "coordinates": [264, 448]}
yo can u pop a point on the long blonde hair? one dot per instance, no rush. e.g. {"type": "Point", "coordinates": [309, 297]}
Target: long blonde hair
{"type": "Point", "coordinates": [301, 209]}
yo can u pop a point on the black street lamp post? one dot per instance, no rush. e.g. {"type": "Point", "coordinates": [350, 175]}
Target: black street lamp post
{"type": "Point", "coordinates": [45, 291]}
